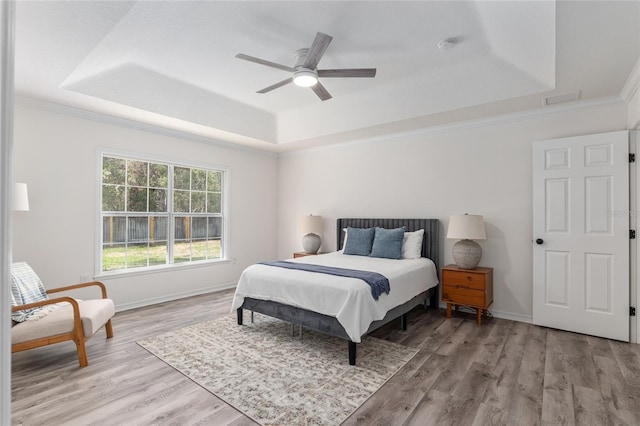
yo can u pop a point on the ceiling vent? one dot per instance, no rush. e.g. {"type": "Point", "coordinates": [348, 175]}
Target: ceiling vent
{"type": "Point", "coordinates": [558, 99]}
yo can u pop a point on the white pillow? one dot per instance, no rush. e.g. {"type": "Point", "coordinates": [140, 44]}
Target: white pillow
{"type": "Point", "coordinates": [344, 242]}
{"type": "Point", "coordinates": [412, 244]}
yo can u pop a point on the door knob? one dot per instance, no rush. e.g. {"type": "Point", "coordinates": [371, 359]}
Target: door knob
{"type": "Point", "coordinates": [539, 241]}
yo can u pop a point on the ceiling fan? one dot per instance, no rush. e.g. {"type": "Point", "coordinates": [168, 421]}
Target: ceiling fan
{"type": "Point", "coordinates": [305, 71]}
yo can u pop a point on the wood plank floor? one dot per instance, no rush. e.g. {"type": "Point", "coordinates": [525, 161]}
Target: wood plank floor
{"type": "Point", "coordinates": [500, 373]}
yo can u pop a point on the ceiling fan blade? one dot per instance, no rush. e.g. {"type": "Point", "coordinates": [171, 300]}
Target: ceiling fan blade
{"type": "Point", "coordinates": [275, 86]}
{"type": "Point", "coordinates": [319, 45]}
{"type": "Point", "coordinates": [263, 62]}
{"type": "Point", "coordinates": [319, 90]}
{"type": "Point", "coordinates": [348, 72]}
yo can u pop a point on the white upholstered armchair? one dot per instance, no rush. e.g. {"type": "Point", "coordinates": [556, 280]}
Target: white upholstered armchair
{"type": "Point", "coordinates": [39, 320]}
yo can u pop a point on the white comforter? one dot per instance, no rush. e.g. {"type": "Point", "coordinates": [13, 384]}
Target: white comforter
{"type": "Point", "coordinates": [347, 299]}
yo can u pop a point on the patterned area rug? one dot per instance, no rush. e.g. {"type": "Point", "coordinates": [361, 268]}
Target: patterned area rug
{"type": "Point", "coordinates": [277, 379]}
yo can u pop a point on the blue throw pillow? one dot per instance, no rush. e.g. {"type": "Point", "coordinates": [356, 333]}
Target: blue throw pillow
{"type": "Point", "coordinates": [388, 243]}
{"type": "Point", "coordinates": [359, 241]}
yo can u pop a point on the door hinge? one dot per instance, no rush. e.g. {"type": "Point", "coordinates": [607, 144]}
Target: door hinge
{"type": "Point", "coordinates": [632, 158]}
{"type": "Point", "coordinates": [632, 234]}
{"type": "Point", "coordinates": [632, 311]}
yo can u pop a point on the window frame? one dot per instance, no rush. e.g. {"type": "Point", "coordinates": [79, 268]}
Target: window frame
{"type": "Point", "coordinates": [170, 214]}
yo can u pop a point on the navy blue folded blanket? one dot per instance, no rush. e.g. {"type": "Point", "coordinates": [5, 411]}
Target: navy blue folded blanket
{"type": "Point", "coordinates": [379, 283]}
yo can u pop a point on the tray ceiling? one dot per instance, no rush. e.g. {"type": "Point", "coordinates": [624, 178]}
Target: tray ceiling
{"type": "Point", "coordinates": [173, 63]}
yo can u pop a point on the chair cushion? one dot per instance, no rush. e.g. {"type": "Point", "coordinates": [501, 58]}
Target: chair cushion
{"type": "Point", "coordinates": [94, 313]}
{"type": "Point", "coordinates": [26, 287]}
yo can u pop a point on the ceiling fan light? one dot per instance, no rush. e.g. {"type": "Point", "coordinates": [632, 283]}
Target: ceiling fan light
{"type": "Point", "coordinates": [305, 78]}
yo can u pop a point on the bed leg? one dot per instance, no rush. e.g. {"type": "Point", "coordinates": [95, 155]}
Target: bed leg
{"type": "Point", "coordinates": [352, 353]}
{"type": "Point", "coordinates": [403, 322]}
{"type": "Point", "coordinates": [239, 311]}
{"type": "Point", "coordinates": [434, 303]}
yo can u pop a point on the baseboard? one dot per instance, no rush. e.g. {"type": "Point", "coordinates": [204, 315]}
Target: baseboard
{"type": "Point", "coordinates": [225, 286]}
{"type": "Point", "coordinates": [504, 315]}
{"type": "Point", "coordinates": [174, 296]}
{"type": "Point", "coordinates": [511, 316]}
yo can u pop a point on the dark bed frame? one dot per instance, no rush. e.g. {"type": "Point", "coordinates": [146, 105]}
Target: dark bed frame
{"type": "Point", "coordinates": [330, 325]}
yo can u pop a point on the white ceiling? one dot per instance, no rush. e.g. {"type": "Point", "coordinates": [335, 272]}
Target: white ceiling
{"type": "Point", "coordinates": [173, 63]}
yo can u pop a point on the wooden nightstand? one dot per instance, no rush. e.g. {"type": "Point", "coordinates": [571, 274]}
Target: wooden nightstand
{"type": "Point", "coordinates": [303, 254]}
{"type": "Point", "coordinates": [467, 287]}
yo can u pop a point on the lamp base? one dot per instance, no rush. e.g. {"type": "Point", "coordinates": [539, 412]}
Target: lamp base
{"type": "Point", "coordinates": [467, 254]}
{"type": "Point", "coordinates": [311, 243]}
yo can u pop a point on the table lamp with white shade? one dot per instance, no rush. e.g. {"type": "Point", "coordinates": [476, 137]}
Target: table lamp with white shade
{"type": "Point", "coordinates": [311, 227]}
{"type": "Point", "coordinates": [467, 227]}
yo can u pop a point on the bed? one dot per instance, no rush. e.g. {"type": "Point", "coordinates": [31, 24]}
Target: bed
{"type": "Point", "coordinates": [263, 288]}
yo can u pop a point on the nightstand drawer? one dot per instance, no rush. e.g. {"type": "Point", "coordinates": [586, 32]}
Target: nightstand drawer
{"type": "Point", "coordinates": [467, 287]}
{"type": "Point", "coordinates": [464, 279]}
{"type": "Point", "coordinates": [463, 295]}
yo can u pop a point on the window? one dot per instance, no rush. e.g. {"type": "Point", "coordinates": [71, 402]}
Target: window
{"type": "Point", "coordinates": [157, 214]}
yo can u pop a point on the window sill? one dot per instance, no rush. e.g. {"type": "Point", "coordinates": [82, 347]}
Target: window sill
{"type": "Point", "coordinates": [161, 269]}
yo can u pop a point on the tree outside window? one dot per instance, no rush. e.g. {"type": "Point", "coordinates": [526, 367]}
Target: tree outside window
{"type": "Point", "coordinates": [156, 214]}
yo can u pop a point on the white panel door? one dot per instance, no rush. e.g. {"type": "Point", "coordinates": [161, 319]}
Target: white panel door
{"type": "Point", "coordinates": [581, 234]}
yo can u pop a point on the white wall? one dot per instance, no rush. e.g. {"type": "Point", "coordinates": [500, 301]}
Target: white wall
{"type": "Point", "coordinates": [483, 169]}
{"type": "Point", "coordinates": [56, 154]}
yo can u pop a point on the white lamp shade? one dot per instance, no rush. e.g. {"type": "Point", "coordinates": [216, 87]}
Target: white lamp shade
{"type": "Point", "coordinates": [20, 197]}
{"type": "Point", "coordinates": [466, 227]}
{"type": "Point", "coordinates": [310, 225]}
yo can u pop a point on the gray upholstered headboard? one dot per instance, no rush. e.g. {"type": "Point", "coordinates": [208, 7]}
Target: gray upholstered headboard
{"type": "Point", "coordinates": [430, 242]}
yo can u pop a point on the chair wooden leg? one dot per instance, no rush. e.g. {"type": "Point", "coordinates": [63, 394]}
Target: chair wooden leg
{"type": "Point", "coordinates": [82, 352]}
{"type": "Point", "coordinates": [109, 329]}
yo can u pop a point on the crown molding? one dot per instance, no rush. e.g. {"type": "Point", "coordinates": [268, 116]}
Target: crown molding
{"type": "Point", "coordinates": [501, 119]}
{"type": "Point", "coordinates": [47, 105]}
{"type": "Point", "coordinates": [632, 84]}
{"type": "Point", "coordinates": [496, 120]}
